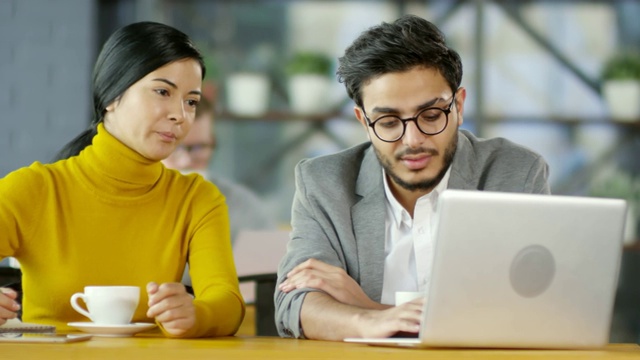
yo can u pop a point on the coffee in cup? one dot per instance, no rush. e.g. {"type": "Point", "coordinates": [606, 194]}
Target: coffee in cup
{"type": "Point", "coordinates": [108, 305]}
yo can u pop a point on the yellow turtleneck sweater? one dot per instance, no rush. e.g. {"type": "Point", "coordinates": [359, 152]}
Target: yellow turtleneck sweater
{"type": "Point", "coordinates": [112, 217]}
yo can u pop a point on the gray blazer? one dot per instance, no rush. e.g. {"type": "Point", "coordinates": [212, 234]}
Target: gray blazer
{"type": "Point", "coordinates": [338, 212]}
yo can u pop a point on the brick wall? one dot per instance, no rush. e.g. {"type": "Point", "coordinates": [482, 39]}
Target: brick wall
{"type": "Point", "coordinates": [47, 50]}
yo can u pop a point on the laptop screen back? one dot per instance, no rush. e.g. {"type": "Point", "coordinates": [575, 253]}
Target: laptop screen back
{"type": "Point", "coordinates": [522, 270]}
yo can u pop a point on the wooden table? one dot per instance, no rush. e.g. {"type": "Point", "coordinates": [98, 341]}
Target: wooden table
{"type": "Point", "coordinates": [155, 347]}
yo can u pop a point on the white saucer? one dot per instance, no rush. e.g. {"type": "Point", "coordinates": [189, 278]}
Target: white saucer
{"type": "Point", "coordinates": [112, 330]}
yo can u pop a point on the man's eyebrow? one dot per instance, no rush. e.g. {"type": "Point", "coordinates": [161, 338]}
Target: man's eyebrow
{"type": "Point", "coordinates": [173, 85]}
{"type": "Point", "coordinates": [389, 110]}
{"type": "Point", "coordinates": [430, 103]}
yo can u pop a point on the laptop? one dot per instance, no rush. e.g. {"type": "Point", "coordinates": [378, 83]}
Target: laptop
{"type": "Point", "coordinates": [521, 271]}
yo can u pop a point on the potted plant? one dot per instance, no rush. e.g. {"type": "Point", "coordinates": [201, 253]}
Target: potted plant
{"type": "Point", "coordinates": [248, 84]}
{"type": "Point", "coordinates": [621, 85]}
{"type": "Point", "coordinates": [308, 73]}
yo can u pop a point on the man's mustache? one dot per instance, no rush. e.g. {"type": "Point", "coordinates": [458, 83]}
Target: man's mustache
{"type": "Point", "coordinates": [416, 151]}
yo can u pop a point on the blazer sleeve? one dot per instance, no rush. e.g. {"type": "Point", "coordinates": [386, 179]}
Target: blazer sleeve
{"type": "Point", "coordinates": [309, 239]}
{"type": "Point", "coordinates": [537, 181]}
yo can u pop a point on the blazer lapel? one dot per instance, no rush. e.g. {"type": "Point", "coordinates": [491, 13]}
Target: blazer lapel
{"type": "Point", "coordinates": [368, 216]}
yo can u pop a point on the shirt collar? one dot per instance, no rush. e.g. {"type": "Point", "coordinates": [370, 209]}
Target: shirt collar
{"type": "Point", "coordinates": [398, 213]}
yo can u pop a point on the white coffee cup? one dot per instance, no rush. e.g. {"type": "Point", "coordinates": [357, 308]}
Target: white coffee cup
{"type": "Point", "coordinates": [406, 296]}
{"type": "Point", "coordinates": [108, 305]}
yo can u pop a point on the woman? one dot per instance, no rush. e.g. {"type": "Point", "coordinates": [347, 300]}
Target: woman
{"type": "Point", "coordinates": [110, 213]}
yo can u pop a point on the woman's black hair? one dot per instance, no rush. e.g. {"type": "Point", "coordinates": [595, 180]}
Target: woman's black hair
{"type": "Point", "coordinates": [130, 54]}
{"type": "Point", "coordinates": [402, 45]}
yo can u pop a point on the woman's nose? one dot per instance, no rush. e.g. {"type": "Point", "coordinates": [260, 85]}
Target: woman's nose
{"type": "Point", "coordinates": [178, 112]}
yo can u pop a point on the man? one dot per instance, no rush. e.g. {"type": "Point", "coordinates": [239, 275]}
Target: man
{"type": "Point", "coordinates": [246, 209]}
{"type": "Point", "coordinates": [363, 218]}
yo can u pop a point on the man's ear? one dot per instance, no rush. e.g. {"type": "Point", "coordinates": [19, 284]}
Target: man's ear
{"type": "Point", "coordinates": [360, 116]}
{"type": "Point", "coordinates": [362, 120]}
{"type": "Point", "coordinates": [460, 98]}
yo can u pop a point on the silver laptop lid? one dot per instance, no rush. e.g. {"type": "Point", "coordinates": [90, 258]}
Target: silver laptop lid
{"type": "Point", "coordinates": [522, 270]}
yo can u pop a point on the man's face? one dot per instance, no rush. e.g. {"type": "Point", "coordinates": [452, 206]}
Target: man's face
{"type": "Point", "coordinates": [196, 150]}
{"type": "Point", "coordinates": [416, 162]}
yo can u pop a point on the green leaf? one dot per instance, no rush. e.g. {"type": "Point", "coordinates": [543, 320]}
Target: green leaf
{"type": "Point", "coordinates": [309, 63]}
{"type": "Point", "coordinates": [622, 66]}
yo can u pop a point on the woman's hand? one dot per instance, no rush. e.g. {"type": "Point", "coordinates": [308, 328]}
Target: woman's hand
{"type": "Point", "coordinates": [172, 306]}
{"type": "Point", "coordinates": [8, 304]}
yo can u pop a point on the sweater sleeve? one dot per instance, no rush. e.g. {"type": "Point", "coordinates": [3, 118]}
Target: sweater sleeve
{"type": "Point", "coordinates": [19, 205]}
{"type": "Point", "coordinates": [218, 302]}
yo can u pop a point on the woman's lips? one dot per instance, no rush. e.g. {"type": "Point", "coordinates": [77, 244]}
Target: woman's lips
{"type": "Point", "coordinates": [167, 136]}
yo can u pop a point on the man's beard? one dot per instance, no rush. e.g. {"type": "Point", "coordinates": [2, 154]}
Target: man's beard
{"type": "Point", "coordinates": [426, 184]}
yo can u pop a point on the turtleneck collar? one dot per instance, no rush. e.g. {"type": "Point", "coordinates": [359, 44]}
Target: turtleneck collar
{"type": "Point", "coordinates": [119, 169]}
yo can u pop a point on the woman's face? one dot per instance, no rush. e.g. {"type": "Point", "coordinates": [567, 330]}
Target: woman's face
{"type": "Point", "coordinates": [156, 112]}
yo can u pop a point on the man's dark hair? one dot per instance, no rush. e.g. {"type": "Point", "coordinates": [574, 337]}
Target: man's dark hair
{"type": "Point", "coordinates": [408, 42]}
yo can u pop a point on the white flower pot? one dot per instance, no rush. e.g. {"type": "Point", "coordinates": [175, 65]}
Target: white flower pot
{"type": "Point", "coordinates": [308, 94]}
{"type": "Point", "coordinates": [623, 99]}
{"type": "Point", "coordinates": [248, 94]}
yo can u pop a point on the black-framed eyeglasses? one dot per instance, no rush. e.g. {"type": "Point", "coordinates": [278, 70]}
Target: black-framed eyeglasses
{"type": "Point", "coordinates": [430, 121]}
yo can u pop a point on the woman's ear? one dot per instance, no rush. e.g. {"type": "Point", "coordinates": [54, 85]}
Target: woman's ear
{"type": "Point", "coordinates": [112, 106]}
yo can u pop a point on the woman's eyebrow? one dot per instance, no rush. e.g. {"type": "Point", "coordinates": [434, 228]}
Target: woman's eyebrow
{"type": "Point", "coordinates": [173, 85]}
{"type": "Point", "coordinates": [168, 82]}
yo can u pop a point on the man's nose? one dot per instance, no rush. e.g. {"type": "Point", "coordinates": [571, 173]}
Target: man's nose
{"type": "Point", "coordinates": [413, 137]}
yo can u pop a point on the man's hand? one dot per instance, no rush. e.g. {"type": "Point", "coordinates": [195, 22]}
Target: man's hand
{"type": "Point", "coordinates": [324, 318]}
{"type": "Point", "coordinates": [330, 279]}
{"type": "Point", "coordinates": [8, 304]}
{"type": "Point", "coordinates": [386, 323]}
{"type": "Point", "coordinates": [172, 306]}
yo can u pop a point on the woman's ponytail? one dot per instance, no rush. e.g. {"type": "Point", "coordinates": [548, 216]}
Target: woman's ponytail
{"type": "Point", "coordinates": [76, 145]}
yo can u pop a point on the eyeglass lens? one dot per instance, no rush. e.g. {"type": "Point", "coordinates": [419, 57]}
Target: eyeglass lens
{"type": "Point", "coordinates": [429, 121]}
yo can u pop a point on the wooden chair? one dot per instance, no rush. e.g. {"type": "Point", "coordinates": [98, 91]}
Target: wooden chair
{"type": "Point", "coordinates": [257, 255]}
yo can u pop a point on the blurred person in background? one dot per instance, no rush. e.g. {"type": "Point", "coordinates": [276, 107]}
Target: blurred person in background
{"type": "Point", "coordinates": [246, 210]}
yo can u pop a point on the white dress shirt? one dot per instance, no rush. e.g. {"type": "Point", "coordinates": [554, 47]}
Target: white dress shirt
{"type": "Point", "coordinates": [409, 243]}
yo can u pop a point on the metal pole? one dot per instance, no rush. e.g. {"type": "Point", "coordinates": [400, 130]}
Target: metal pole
{"type": "Point", "coordinates": [479, 75]}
